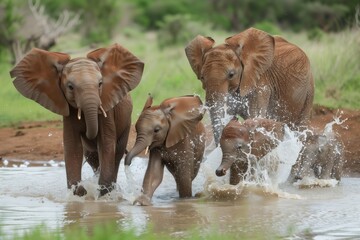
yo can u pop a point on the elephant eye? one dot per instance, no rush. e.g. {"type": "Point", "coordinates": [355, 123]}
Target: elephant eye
{"type": "Point", "coordinates": [100, 84]}
{"type": "Point", "coordinates": [70, 86]}
{"type": "Point", "coordinates": [231, 74]}
{"type": "Point", "coordinates": [156, 129]}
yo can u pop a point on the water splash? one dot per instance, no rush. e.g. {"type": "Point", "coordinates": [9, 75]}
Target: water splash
{"type": "Point", "coordinates": [327, 139]}
{"type": "Point", "coordinates": [328, 129]}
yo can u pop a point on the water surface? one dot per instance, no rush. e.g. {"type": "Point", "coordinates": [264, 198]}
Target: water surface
{"type": "Point", "coordinates": [34, 194]}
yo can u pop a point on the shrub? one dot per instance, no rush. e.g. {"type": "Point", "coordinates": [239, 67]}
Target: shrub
{"type": "Point", "coordinates": [179, 29]}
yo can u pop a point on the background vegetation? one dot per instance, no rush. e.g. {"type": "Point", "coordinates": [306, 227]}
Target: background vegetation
{"type": "Point", "coordinates": [157, 32]}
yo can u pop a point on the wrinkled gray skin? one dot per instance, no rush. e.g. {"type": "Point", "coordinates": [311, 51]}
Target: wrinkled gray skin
{"type": "Point", "coordinates": [92, 95]}
{"type": "Point", "coordinates": [321, 157]}
{"type": "Point", "coordinates": [180, 149]}
{"type": "Point", "coordinates": [245, 142]}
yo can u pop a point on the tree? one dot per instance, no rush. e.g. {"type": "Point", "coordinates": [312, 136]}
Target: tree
{"type": "Point", "coordinates": [28, 26]}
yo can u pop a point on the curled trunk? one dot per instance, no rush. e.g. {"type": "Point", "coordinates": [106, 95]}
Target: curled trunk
{"type": "Point", "coordinates": [226, 163]}
{"type": "Point", "coordinates": [140, 145]}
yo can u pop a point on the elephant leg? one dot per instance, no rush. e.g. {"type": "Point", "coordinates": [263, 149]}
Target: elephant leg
{"type": "Point", "coordinates": [326, 164]}
{"type": "Point", "coordinates": [92, 158]}
{"type": "Point", "coordinates": [263, 99]}
{"type": "Point", "coordinates": [337, 168]}
{"type": "Point", "coordinates": [183, 177]}
{"type": "Point", "coordinates": [120, 150]}
{"type": "Point", "coordinates": [294, 173]}
{"type": "Point", "coordinates": [258, 102]}
{"type": "Point", "coordinates": [106, 147]}
{"type": "Point", "coordinates": [73, 154]}
{"type": "Point", "coordinates": [237, 172]}
{"type": "Point", "coordinates": [152, 179]}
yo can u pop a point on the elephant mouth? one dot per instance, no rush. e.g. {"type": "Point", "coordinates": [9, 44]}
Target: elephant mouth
{"type": "Point", "coordinates": [100, 107]}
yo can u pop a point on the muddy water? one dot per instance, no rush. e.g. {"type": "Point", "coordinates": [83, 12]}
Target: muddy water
{"type": "Point", "coordinates": [34, 194]}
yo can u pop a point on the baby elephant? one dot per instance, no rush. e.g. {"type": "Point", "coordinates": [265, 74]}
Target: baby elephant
{"type": "Point", "coordinates": [321, 157]}
{"type": "Point", "coordinates": [241, 141]}
{"type": "Point", "coordinates": [175, 136]}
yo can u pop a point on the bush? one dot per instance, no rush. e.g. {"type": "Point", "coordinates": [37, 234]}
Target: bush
{"type": "Point", "coordinates": [179, 29]}
{"type": "Point", "coordinates": [268, 27]}
{"type": "Point", "coordinates": [315, 34]}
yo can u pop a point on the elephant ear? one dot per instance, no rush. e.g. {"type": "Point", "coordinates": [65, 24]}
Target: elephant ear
{"type": "Point", "coordinates": [195, 51]}
{"type": "Point", "coordinates": [121, 72]}
{"type": "Point", "coordinates": [37, 77]}
{"type": "Point", "coordinates": [256, 51]}
{"type": "Point", "coordinates": [148, 102]}
{"type": "Point", "coordinates": [183, 114]}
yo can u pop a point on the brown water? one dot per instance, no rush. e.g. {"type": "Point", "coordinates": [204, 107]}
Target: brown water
{"type": "Point", "coordinates": [34, 194]}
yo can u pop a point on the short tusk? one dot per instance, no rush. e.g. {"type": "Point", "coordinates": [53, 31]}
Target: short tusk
{"type": "Point", "coordinates": [103, 111]}
{"type": "Point", "coordinates": [146, 150]}
{"type": "Point", "coordinates": [79, 113]}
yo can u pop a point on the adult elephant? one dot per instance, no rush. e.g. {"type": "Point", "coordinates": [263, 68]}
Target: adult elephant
{"type": "Point", "coordinates": [176, 138]}
{"type": "Point", "coordinates": [256, 74]}
{"type": "Point", "coordinates": [92, 95]}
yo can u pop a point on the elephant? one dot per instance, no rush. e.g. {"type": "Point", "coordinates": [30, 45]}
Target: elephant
{"type": "Point", "coordinates": [175, 136]}
{"type": "Point", "coordinates": [243, 143]}
{"type": "Point", "coordinates": [92, 95]}
{"type": "Point", "coordinates": [320, 157]}
{"type": "Point", "coordinates": [256, 75]}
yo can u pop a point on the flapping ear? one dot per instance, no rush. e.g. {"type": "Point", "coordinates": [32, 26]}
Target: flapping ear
{"type": "Point", "coordinates": [256, 51]}
{"type": "Point", "coordinates": [121, 72]}
{"type": "Point", "coordinates": [195, 51]}
{"type": "Point", "coordinates": [183, 113]}
{"type": "Point", "coordinates": [37, 76]}
{"type": "Point", "coordinates": [148, 102]}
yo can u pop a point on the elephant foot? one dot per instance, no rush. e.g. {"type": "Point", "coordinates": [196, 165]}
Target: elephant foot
{"type": "Point", "coordinates": [80, 191]}
{"type": "Point", "coordinates": [105, 190]}
{"type": "Point", "coordinates": [143, 200]}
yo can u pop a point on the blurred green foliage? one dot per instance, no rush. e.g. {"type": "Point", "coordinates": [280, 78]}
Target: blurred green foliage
{"type": "Point", "coordinates": [101, 20]}
{"type": "Point", "coordinates": [158, 37]}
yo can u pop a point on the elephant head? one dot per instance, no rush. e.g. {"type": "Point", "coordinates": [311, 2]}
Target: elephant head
{"type": "Point", "coordinates": [90, 85]}
{"type": "Point", "coordinates": [230, 70]}
{"type": "Point", "coordinates": [253, 137]}
{"type": "Point", "coordinates": [166, 124]}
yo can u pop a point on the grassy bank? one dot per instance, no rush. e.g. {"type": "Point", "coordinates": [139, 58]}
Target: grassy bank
{"type": "Point", "coordinates": [334, 57]}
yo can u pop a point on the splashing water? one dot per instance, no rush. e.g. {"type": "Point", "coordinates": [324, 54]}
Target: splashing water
{"type": "Point", "coordinates": [329, 137]}
{"type": "Point", "coordinates": [132, 189]}
{"type": "Point", "coordinates": [328, 129]}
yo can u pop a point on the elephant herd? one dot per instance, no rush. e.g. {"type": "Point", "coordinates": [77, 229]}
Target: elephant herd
{"type": "Point", "coordinates": [264, 79]}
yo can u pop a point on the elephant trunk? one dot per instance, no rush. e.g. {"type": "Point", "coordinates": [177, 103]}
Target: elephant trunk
{"type": "Point", "coordinates": [227, 161]}
{"type": "Point", "coordinates": [140, 145]}
{"type": "Point", "coordinates": [216, 104]}
{"type": "Point", "coordinates": [91, 110]}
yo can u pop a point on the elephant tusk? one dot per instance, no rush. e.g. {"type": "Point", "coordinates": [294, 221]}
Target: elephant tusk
{"type": "Point", "coordinates": [79, 114]}
{"type": "Point", "coordinates": [103, 111]}
{"type": "Point", "coordinates": [146, 150]}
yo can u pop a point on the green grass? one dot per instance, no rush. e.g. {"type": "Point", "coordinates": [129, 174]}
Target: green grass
{"type": "Point", "coordinates": [110, 231]}
{"type": "Point", "coordinates": [335, 63]}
